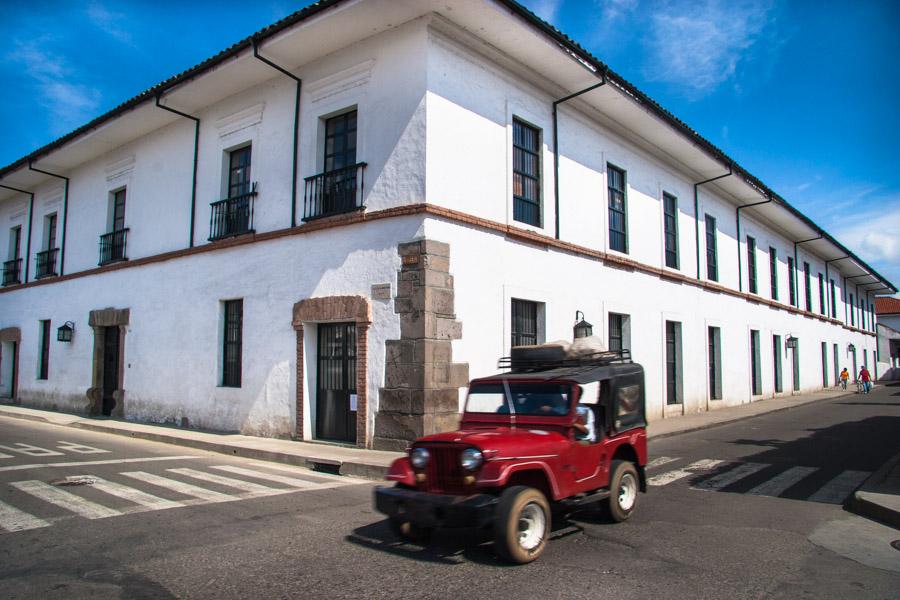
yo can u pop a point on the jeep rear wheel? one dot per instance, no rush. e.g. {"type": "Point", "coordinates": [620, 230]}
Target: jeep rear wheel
{"type": "Point", "coordinates": [522, 525]}
{"type": "Point", "coordinates": [409, 531]}
{"type": "Point", "coordinates": [623, 490]}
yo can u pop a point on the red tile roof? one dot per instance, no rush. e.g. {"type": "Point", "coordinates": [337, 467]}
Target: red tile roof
{"type": "Point", "coordinates": [887, 306]}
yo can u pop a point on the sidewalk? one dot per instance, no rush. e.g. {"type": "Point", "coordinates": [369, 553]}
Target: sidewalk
{"type": "Point", "coordinates": [879, 497]}
{"type": "Point", "coordinates": [347, 460]}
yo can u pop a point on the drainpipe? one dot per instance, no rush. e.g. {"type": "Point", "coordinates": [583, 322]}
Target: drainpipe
{"type": "Point", "coordinates": [828, 281]}
{"type": "Point", "coordinates": [603, 80]}
{"type": "Point", "coordinates": [62, 250]}
{"type": "Point", "coordinates": [796, 282]}
{"type": "Point", "coordinates": [697, 211]}
{"type": "Point", "coordinates": [196, 149]}
{"type": "Point", "coordinates": [296, 127]}
{"type": "Point", "coordinates": [30, 215]}
{"type": "Point", "coordinates": [738, 220]}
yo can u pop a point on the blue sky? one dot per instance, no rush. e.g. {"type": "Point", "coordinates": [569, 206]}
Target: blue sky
{"type": "Point", "coordinates": [805, 95]}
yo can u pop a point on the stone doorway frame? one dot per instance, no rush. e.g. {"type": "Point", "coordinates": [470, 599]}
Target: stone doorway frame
{"type": "Point", "coordinates": [98, 320]}
{"type": "Point", "coordinates": [13, 335]}
{"type": "Point", "coordinates": [337, 309]}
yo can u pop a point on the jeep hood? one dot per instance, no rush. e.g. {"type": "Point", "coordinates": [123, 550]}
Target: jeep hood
{"type": "Point", "coordinates": [502, 442]}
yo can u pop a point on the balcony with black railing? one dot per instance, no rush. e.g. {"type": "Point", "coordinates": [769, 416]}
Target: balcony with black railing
{"type": "Point", "coordinates": [112, 246]}
{"type": "Point", "coordinates": [334, 192]}
{"type": "Point", "coordinates": [46, 263]}
{"type": "Point", "coordinates": [12, 272]}
{"type": "Point", "coordinates": [232, 216]}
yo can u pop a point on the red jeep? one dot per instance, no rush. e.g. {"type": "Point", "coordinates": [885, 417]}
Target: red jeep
{"type": "Point", "coordinates": [550, 431]}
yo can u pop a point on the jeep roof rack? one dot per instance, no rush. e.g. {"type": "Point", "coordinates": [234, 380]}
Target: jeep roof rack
{"type": "Point", "coordinates": [595, 359]}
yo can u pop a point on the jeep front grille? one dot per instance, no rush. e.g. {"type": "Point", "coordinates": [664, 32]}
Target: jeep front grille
{"type": "Point", "coordinates": [444, 474]}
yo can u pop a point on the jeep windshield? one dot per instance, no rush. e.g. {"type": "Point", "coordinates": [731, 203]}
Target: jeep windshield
{"type": "Point", "coordinates": [529, 399]}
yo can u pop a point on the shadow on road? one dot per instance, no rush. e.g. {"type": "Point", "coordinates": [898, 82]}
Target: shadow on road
{"type": "Point", "coordinates": [446, 546]}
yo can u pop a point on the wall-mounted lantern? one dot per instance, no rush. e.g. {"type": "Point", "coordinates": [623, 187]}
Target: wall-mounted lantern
{"type": "Point", "coordinates": [791, 342]}
{"type": "Point", "coordinates": [65, 331]}
{"type": "Point", "coordinates": [851, 348]}
{"type": "Point", "coordinates": [582, 328]}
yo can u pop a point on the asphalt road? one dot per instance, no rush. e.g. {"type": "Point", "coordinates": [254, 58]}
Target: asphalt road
{"type": "Point", "coordinates": [159, 521]}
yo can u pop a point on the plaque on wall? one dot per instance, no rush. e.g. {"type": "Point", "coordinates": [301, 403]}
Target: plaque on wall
{"type": "Point", "coordinates": [381, 291]}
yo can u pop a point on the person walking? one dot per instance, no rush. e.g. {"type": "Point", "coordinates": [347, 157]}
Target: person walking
{"type": "Point", "coordinates": [866, 379]}
{"type": "Point", "coordinates": [845, 377]}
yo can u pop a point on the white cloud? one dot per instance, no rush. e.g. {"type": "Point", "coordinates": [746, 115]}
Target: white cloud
{"type": "Point", "coordinates": [70, 103]}
{"type": "Point", "coordinates": [873, 234]}
{"type": "Point", "coordinates": [699, 46]}
{"type": "Point", "coordinates": [110, 22]}
{"type": "Point", "coordinates": [545, 9]}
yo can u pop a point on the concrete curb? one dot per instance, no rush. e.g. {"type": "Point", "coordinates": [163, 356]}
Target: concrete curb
{"type": "Point", "coordinates": [878, 497]}
{"type": "Point", "coordinates": [320, 458]}
{"type": "Point", "coordinates": [317, 461]}
{"type": "Point", "coordinates": [737, 418]}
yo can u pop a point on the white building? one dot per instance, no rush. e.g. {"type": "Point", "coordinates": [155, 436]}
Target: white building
{"type": "Point", "coordinates": [334, 259]}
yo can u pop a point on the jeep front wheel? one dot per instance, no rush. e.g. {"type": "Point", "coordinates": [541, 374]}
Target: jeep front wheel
{"type": "Point", "coordinates": [623, 490]}
{"type": "Point", "coordinates": [522, 525]}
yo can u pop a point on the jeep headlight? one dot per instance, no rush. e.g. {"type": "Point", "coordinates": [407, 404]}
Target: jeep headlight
{"type": "Point", "coordinates": [419, 457]}
{"type": "Point", "coordinates": [471, 459]}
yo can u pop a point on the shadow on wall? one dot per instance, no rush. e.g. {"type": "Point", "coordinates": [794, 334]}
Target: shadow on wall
{"type": "Point", "coordinates": [270, 415]}
{"type": "Point", "coordinates": [892, 374]}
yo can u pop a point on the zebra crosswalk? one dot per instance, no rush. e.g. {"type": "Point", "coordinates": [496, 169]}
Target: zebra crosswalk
{"type": "Point", "coordinates": [758, 479]}
{"type": "Point", "coordinates": [93, 497]}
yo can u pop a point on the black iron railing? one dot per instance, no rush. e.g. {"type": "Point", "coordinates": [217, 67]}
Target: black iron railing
{"type": "Point", "coordinates": [112, 246]}
{"type": "Point", "coordinates": [334, 192]}
{"type": "Point", "coordinates": [46, 263]}
{"type": "Point", "coordinates": [232, 216]}
{"type": "Point", "coordinates": [12, 271]}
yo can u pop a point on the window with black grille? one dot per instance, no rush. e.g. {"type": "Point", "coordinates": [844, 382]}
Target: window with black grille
{"type": "Point", "coordinates": [714, 341]}
{"type": "Point", "coordinates": [524, 323]}
{"type": "Point", "coordinates": [822, 294]}
{"type": "Point", "coordinates": [755, 368]}
{"type": "Point", "coordinates": [232, 342]}
{"type": "Point", "coordinates": [44, 356]}
{"type": "Point", "coordinates": [673, 362]}
{"type": "Point", "coordinates": [617, 331]}
{"type": "Point", "coordinates": [776, 356]}
{"type": "Point", "coordinates": [792, 281]}
{"type": "Point", "coordinates": [239, 162]}
{"type": "Point", "coordinates": [526, 173]}
{"type": "Point", "coordinates": [807, 286]}
{"type": "Point", "coordinates": [618, 225]}
{"type": "Point", "coordinates": [751, 264]}
{"type": "Point", "coordinates": [712, 254]}
{"type": "Point", "coordinates": [670, 225]}
{"type": "Point", "coordinates": [773, 272]}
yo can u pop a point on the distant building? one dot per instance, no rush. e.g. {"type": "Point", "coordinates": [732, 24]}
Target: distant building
{"type": "Point", "coordinates": [333, 259]}
{"type": "Point", "coordinates": [887, 311]}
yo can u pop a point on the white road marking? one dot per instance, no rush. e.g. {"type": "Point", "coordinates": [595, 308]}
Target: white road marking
{"type": "Point", "coordinates": [839, 488]}
{"type": "Point", "coordinates": [2, 455]}
{"type": "Point", "coordinates": [66, 500]}
{"type": "Point", "coordinates": [31, 450]}
{"type": "Point", "coordinates": [291, 481]}
{"type": "Point", "coordinates": [660, 461]}
{"type": "Point", "coordinates": [247, 486]}
{"type": "Point", "coordinates": [145, 500]}
{"type": "Point", "coordinates": [13, 519]}
{"type": "Point", "coordinates": [79, 448]}
{"type": "Point", "coordinates": [88, 463]}
{"type": "Point", "coordinates": [182, 488]}
{"type": "Point", "coordinates": [781, 482]}
{"type": "Point", "coordinates": [717, 482]}
{"type": "Point", "coordinates": [696, 467]}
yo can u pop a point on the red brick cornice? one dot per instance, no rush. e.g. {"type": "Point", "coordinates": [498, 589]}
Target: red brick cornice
{"type": "Point", "coordinates": [514, 233]}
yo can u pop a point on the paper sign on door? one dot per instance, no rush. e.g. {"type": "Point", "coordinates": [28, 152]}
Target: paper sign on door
{"type": "Point", "coordinates": [353, 401]}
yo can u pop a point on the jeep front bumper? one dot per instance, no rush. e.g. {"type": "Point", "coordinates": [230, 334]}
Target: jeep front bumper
{"type": "Point", "coordinates": [435, 510]}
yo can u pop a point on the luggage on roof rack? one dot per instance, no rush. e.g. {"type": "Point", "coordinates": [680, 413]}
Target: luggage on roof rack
{"type": "Point", "coordinates": [554, 356]}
